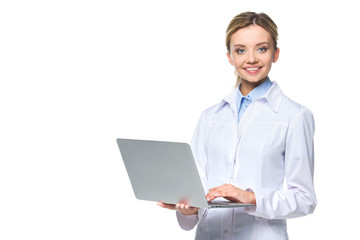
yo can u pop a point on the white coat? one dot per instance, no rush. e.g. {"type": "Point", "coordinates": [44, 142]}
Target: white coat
{"type": "Point", "coordinates": [272, 143]}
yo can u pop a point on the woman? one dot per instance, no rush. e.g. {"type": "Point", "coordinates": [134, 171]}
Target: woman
{"type": "Point", "coordinates": [249, 143]}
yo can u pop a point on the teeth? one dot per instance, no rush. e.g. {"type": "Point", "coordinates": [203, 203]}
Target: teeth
{"type": "Point", "coordinates": [252, 69]}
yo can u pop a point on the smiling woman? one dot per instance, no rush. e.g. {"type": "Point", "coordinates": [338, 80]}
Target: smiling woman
{"type": "Point", "coordinates": [267, 30]}
{"type": "Point", "coordinates": [249, 143]}
{"type": "Point", "coordinates": [252, 52]}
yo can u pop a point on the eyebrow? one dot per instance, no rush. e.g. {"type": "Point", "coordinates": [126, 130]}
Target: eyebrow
{"type": "Point", "coordinates": [241, 45]}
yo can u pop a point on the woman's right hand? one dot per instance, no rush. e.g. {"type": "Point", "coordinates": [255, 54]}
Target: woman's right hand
{"type": "Point", "coordinates": [183, 208]}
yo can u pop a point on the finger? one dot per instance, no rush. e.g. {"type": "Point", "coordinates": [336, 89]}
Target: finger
{"type": "Point", "coordinates": [220, 188]}
{"type": "Point", "coordinates": [216, 189]}
{"type": "Point", "coordinates": [223, 191]}
{"type": "Point", "coordinates": [212, 193]}
{"type": "Point", "coordinates": [180, 206]}
{"type": "Point", "coordinates": [189, 211]}
{"type": "Point", "coordinates": [230, 194]}
{"type": "Point", "coordinates": [212, 196]}
{"type": "Point", "coordinates": [166, 205]}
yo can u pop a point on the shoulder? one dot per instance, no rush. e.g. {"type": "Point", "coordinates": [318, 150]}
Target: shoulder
{"type": "Point", "coordinates": [297, 114]}
{"type": "Point", "coordinates": [281, 103]}
{"type": "Point", "coordinates": [209, 112]}
{"type": "Point", "coordinates": [294, 108]}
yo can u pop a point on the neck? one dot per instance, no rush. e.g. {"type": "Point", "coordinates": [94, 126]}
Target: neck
{"type": "Point", "coordinates": [246, 87]}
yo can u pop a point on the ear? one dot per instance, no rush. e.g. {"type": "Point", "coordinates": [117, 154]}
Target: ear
{"type": "Point", "coordinates": [276, 55]}
{"type": "Point", "coordinates": [229, 58]}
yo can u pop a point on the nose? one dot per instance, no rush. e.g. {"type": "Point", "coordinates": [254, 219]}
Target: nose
{"type": "Point", "coordinates": [251, 58]}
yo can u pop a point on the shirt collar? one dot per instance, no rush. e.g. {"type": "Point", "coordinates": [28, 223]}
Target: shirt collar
{"type": "Point", "coordinates": [273, 96]}
{"type": "Point", "coordinates": [255, 93]}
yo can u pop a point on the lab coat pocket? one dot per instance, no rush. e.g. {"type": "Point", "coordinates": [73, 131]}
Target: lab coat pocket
{"type": "Point", "coordinates": [260, 220]}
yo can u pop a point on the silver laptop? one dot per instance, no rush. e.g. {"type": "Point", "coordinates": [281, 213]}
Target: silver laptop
{"type": "Point", "coordinates": [166, 172]}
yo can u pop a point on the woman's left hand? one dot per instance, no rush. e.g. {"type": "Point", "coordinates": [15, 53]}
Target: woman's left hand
{"type": "Point", "coordinates": [231, 193]}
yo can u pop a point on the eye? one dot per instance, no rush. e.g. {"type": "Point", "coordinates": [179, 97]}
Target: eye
{"type": "Point", "coordinates": [240, 51]}
{"type": "Point", "coordinates": [262, 49]}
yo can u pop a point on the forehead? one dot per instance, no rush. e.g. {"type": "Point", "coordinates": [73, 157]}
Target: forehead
{"type": "Point", "coordinates": [249, 35]}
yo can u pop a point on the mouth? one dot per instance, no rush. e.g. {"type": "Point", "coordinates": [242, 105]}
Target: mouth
{"type": "Point", "coordinates": [253, 69]}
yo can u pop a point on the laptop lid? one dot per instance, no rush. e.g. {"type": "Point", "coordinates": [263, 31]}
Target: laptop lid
{"type": "Point", "coordinates": [162, 171]}
{"type": "Point", "coordinates": [165, 171]}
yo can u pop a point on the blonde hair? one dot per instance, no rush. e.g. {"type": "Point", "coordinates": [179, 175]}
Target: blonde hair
{"type": "Point", "coordinates": [246, 19]}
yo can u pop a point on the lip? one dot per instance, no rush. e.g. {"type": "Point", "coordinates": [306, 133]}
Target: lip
{"type": "Point", "coordinates": [252, 69]}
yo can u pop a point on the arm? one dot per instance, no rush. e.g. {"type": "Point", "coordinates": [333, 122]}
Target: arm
{"type": "Point", "coordinates": [186, 214]}
{"type": "Point", "coordinates": [299, 198]}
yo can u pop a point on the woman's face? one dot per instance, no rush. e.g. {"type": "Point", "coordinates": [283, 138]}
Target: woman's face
{"type": "Point", "coordinates": [252, 53]}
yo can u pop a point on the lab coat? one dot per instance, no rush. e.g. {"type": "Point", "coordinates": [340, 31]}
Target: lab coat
{"type": "Point", "coordinates": [272, 144]}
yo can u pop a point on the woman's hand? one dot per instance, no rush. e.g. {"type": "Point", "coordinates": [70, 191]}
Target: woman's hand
{"type": "Point", "coordinates": [180, 207]}
{"type": "Point", "coordinates": [231, 193]}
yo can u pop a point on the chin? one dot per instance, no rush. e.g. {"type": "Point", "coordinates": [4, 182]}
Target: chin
{"type": "Point", "coordinates": [253, 80]}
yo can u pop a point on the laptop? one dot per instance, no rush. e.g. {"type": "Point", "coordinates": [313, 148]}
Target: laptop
{"type": "Point", "coordinates": [166, 172]}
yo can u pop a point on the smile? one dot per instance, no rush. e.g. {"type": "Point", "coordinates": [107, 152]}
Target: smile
{"type": "Point", "coordinates": [253, 69]}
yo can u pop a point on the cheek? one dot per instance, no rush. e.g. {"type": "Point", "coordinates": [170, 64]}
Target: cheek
{"type": "Point", "coordinates": [267, 60]}
{"type": "Point", "coordinates": [238, 61]}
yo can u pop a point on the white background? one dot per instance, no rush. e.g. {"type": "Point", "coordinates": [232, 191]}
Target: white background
{"type": "Point", "coordinates": [75, 75]}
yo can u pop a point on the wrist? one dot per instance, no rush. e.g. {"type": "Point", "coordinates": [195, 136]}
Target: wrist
{"type": "Point", "coordinates": [251, 198]}
{"type": "Point", "coordinates": [188, 212]}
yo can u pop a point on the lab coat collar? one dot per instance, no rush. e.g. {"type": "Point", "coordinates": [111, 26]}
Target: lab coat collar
{"type": "Point", "coordinates": [273, 97]}
{"type": "Point", "coordinates": [229, 99]}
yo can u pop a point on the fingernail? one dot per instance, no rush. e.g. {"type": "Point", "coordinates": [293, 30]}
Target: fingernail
{"type": "Point", "coordinates": [208, 199]}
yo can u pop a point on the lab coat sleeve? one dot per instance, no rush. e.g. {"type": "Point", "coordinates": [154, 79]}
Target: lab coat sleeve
{"type": "Point", "coordinates": [188, 222]}
{"type": "Point", "coordinates": [299, 198]}
{"type": "Point", "coordinates": [198, 149]}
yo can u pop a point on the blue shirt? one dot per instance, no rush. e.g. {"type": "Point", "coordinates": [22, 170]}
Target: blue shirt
{"type": "Point", "coordinates": [242, 102]}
